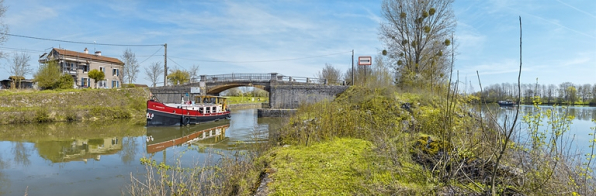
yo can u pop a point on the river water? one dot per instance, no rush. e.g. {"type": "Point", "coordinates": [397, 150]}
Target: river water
{"type": "Point", "coordinates": [98, 158]}
{"type": "Point", "coordinates": [578, 133]}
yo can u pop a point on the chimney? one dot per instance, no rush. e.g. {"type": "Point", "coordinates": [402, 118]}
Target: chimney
{"type": "Point", "coordinates": [86, 51]}
{"type": "Point", "coordinates": [98, 53]}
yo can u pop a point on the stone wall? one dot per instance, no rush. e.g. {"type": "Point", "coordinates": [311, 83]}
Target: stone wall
{"type": "Point", "coordinates": [292, 96]}
{"type": "Point", "coordinates": [275, 112]}
{"type": "Point", "coordinates": [171, 94]}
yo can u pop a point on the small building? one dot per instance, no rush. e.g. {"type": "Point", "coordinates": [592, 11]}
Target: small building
{"type": "Point", "coordinates": [12, 81]}
{"type": "Point", "coordinates": [78, 65]}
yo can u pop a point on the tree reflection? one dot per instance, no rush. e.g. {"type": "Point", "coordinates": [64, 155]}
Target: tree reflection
{"type": "Point", "coordinates": [21, 154]}
{"type": "Point", "coordinates": [4, 182]}
{"type": "Point", "coordinates": [129, 150]}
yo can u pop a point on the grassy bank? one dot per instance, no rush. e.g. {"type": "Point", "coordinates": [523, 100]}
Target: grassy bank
{"type": "Point", "coordinates": [244, 100]}
{"type": "Point", "coordinates": [72, 105]}
{"type": "Point", "coordinates": [383, 142]}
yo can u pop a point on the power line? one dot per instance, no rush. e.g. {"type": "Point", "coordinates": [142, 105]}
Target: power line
{"type": "Point", "coordinates": [175, 63]}
{"type": "Point", "coordinates": [260, 61]}
{"type": "Point", "coordinates": [21, 49]}
{"type": "Point", "coordinates": [150, 56]}
{"type": "Point", "coordinates": [77, 42]}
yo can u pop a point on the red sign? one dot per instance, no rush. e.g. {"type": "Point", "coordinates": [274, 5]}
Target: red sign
{"type": "Point", "coordinates": [364, 60]}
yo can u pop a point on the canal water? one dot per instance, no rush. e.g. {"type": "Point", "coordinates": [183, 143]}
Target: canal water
{"type": "Point", "coordinates": [98, 158]}
{"type": "Point", "coordinates": [579, 130]}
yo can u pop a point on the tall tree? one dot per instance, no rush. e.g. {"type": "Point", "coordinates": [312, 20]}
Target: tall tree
{"type": "Point", "coordinates": [153, 72]}
{"type": "Point", "coordinates": [380, 73]}
{"type": "Point", "coordinates": [178, 77]}
{"type": "Point", "coordinates": [131, 67]}
{"type": "Point", "coordinates": [417, 35]}
{"type": "Point", "coordinates": [330, 73]}
{"type": "Point", "coordinates": [193, 71]}
{"type": "Point", "coordinates": [585, 93]}
{"type": "Point", "coordinates": [97, 76]}
{"type": "Point", "coordinates": [20, 66]}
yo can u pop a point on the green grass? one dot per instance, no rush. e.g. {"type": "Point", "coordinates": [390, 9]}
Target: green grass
{"type": "Point", "coordinates": [242, 100]}
{"type": "Point", "coordinates": [30, 106]}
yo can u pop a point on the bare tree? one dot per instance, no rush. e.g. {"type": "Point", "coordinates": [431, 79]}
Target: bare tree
{"type": "Point", "coordinates": [585, 92]}
{"type": "Point", "coordinates": [20, 66]}
{"type": "Point", "coordinates": [193, 73]}
{"type": "Point", "coordinates": [153, 72]}
{"type": "Point", "coordinates": [380, 73]}
{"type": "Point", "coordinates": [330, 73]}
{"type": "Point", "coordinates": [131, 66]}
{"type": "Point", "coordinates": [416, 34]}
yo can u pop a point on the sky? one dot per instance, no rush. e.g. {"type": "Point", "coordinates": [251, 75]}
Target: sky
{"type": "Point", "coordinates": [297, 38]}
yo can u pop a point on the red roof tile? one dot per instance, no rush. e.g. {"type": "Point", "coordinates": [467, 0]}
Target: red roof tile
{"type": "Point", "coordinates": [88, 56]}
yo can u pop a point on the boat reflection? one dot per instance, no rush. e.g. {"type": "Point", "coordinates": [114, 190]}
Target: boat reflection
{"type": "Point", "coordinates": [160, 138]}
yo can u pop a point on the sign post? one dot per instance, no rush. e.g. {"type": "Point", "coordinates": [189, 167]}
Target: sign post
{"type": "Point", "coordinates": [365, 61]}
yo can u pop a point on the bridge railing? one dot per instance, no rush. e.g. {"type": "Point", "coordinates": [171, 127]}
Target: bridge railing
{"type": "Point", "coordinates": [259, 77]}
{"type": "Point", "coordinates": [236, 77]}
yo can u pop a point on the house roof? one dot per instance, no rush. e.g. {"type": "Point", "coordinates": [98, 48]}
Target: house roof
{"type": "Point", "coordinates": [87, 56]}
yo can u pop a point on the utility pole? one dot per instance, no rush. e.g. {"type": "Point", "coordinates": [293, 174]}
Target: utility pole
{"type": "Point", "coordinates": [352, 67]}
{"type": "Point", "coordinates": [165, 64]}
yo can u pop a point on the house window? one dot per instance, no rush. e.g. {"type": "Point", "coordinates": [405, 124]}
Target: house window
{"type": "Point", "coordinates": [115, 84]}
{"type": "Point", "coordinates": [86, 68]}
{"type": "Point", "coordinates": [84, 82]}
{"type": "Point", "coordinates": [102, 70]}
{"type": "Point", "coordinates": [102, 84]}
{"type": "Point", "coordinates": [115, 72]}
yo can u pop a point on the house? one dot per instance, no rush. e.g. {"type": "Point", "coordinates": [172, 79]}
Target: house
{"type": "Point", "coordinates": [78, 65]}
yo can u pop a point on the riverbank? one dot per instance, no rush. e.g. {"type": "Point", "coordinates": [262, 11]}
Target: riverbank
{"type": "Point", "coordinates": [31, 106]}
{"type": "Point", "coordinates": [73, 105]}
{"type": "Point", "coordinates": [383, 142]}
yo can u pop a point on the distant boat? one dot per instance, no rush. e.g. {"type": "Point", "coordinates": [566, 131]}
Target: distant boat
{"type": "Point", "coordinates": [506, 103]}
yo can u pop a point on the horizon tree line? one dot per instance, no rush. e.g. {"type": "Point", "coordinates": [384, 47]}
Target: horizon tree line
{"type": "Point", "coordinates": [564, 93]}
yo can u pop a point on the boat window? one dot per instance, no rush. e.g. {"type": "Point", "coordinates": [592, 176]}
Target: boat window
{"type": "Point", "coordinates": [213, 109]}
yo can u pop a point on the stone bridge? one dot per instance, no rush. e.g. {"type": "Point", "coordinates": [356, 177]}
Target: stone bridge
{"type": "Point", "coordinates": [285, 92]}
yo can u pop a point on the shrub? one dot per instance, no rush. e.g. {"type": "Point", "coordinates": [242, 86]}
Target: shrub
{"type": "Point", "coordinates": [47, 75]}
{"type": "Point", "coordinates": [65, 82]}
{"type": "Point", "coordinates": [42, 115]}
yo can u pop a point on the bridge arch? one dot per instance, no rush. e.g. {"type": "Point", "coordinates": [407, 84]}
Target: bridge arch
{"type": "Point", "coordinates": [215, 90]}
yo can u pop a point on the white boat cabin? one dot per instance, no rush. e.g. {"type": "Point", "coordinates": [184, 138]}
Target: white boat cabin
{"type": "Point", "coordinates": [204, 104]}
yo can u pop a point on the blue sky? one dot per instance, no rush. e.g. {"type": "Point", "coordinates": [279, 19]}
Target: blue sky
{"type": "Point", "coordinates": [297, 38]}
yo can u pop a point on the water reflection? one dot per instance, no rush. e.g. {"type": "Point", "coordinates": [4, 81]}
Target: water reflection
{"type": "Point", "coordinates": [78, 149]}
{"type": "Point", "coordinates": [160, 138]}
{"type": "Point", "coordinates": [21, 153]}
{"type": "Point", "coordinates": [96, 158]}
{"type": "Point", "coordinates": [66, 142]}
{"type": "Point", "coordinates": [130, 150]}
{"type": "Point", "coordinates": [578, 132]}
